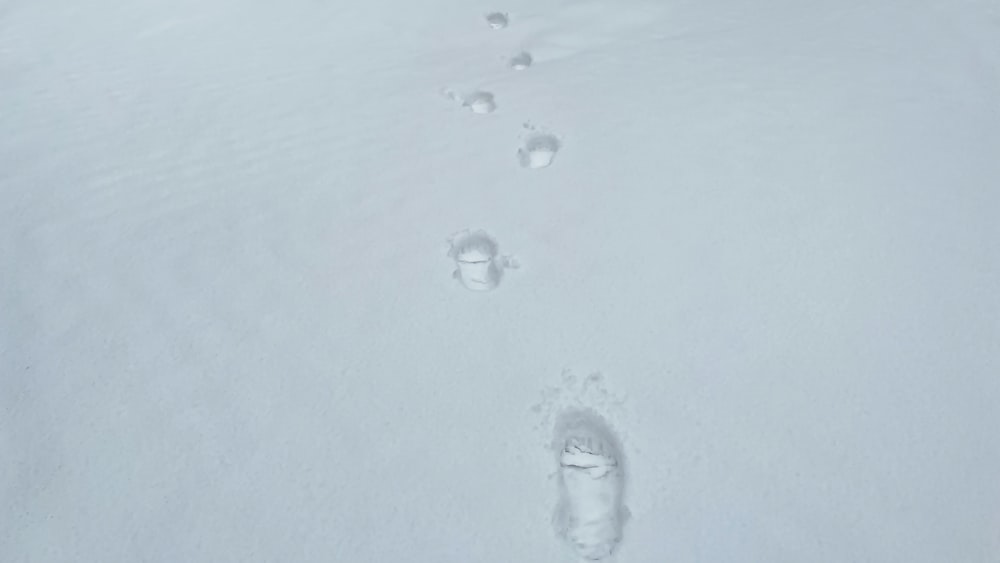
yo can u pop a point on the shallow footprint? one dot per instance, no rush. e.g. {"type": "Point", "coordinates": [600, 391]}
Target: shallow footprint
{"type": "Point", "coordinates": [480, 102]}
{"type": "Point", "coordinates": [538, 151]}
{"type": "Point", "coordinates": [497, 20]}
{"type": "Point", "coordinates": [521, 61]}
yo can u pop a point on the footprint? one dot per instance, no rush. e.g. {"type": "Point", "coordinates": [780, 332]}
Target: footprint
{"type": "Point", "coordinates": [476, 255]}
{"type": "Point", "coordinates": [521, 61]}
{"type": "Point", "coordinates": [480, 102]}
{"type": "Point", "coordinates": [497, 20]}
{"type": "Point", "coordinates": [589, 514]}
{"type": "Point", "coordinates": [538, 151]}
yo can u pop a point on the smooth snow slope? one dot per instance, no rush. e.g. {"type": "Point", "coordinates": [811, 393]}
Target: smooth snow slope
{"type": "Point", "coordinates": [229, 331]}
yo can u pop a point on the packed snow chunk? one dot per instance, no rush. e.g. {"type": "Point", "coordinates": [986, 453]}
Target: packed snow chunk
{"type": "Point", "coordinates": [476, 255]}
{"type": "Point", "coordinates": [521, 61]}
{"type": "Point", "coordinates": [480, 102]}
{"type": "Point", "coordinates": [538, 151]}
{"type": "Point", "coordinates": [497, 20]}
{"type": "Point", "coordinates": [590, 512]}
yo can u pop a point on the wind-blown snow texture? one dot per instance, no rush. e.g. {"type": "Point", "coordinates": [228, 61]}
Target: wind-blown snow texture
{"type": "Point", "coordinates": [229, 331]}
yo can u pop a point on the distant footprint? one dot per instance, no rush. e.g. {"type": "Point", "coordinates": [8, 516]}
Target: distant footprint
{"type": "Point", "coordinates": [479, 101]}
{"type": "Point", "coordinates": [538, 151]}
{"type": "Point", "coordinates": [590, 513]}
{"type": "Point", "coordinates": [497, 20]}
{"type": "Point", "coordinates": [520, 61]}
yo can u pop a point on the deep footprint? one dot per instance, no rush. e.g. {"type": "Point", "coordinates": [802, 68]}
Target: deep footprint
{"type": "Point", "coordinates": [590, 514]}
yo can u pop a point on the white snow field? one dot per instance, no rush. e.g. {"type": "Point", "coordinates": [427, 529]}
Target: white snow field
{"type": "Point", "coordinates": [766, 252]}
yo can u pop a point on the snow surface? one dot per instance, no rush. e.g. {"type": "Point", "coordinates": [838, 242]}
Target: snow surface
{"type": "Point", "coordinates": [767, 253]}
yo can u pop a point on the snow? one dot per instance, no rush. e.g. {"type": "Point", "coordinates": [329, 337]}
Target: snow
{"type": "Point", "coordinates": [766, 253]}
